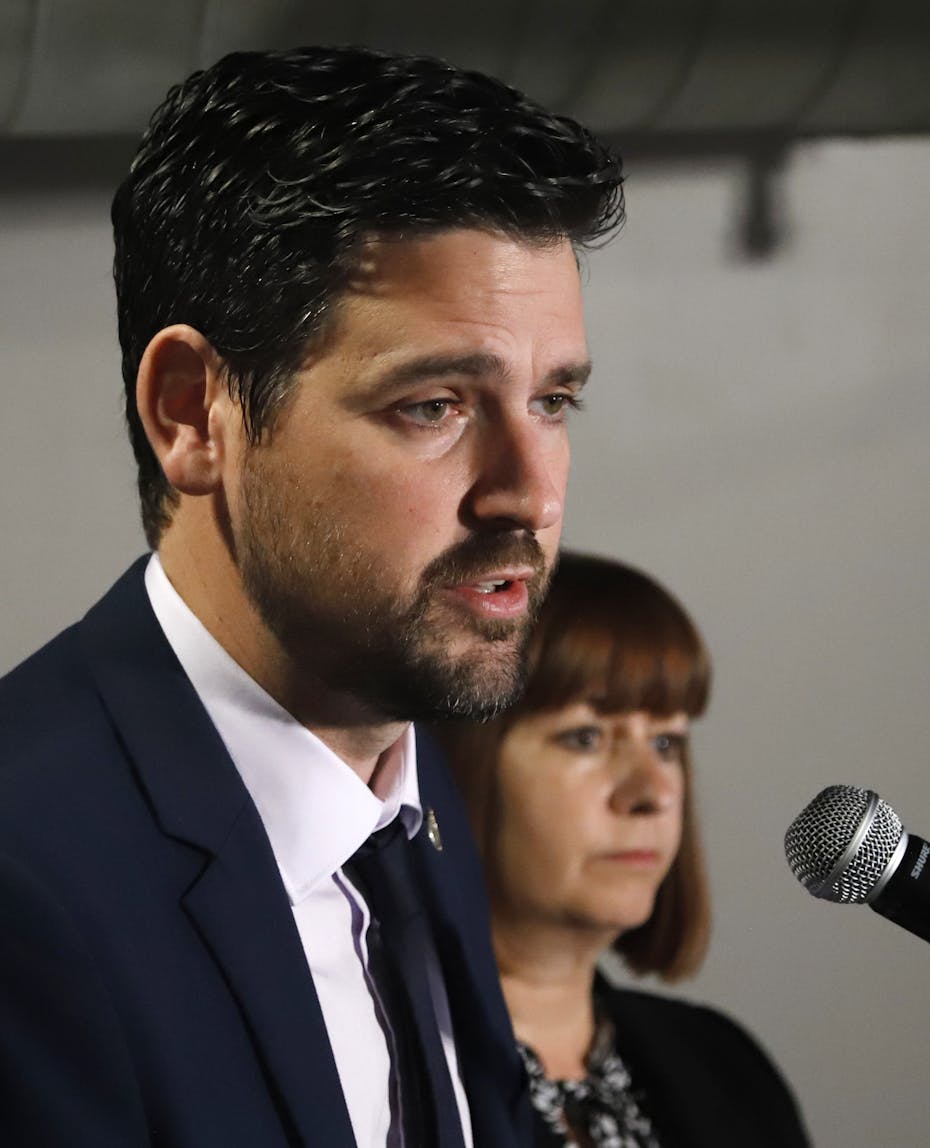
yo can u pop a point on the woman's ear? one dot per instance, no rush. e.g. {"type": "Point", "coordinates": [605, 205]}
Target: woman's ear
{"type": "Point", "coordinates": [184, 404]}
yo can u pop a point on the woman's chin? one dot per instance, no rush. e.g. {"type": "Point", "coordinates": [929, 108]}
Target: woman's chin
{"type": "Point", "coordinates": [619, 919]}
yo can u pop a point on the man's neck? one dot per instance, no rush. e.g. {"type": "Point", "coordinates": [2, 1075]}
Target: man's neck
{"type": "Point", "coordinates": [212, 589]}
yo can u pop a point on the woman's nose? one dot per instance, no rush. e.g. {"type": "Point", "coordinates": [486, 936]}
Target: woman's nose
{"type": "Point", "coordinates": [645, 784]}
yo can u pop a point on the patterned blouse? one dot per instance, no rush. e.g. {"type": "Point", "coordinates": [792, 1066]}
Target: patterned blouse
{"type": "Point", "coordinates": [601, 1111]}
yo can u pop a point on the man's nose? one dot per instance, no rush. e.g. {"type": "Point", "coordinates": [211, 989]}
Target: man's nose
{"type": "Point", "coordinates": [520, 484]}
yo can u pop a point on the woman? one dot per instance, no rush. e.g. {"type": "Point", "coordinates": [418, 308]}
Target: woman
{"type": "Point", "coordinates": [581, 800]}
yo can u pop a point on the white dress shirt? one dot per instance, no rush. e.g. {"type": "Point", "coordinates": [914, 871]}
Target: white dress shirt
{"type": "Point", "coordinates": [316, 812]}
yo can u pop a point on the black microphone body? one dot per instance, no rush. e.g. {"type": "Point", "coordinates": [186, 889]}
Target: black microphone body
{"type": "Point", "coordinates": [905, 898]}
{"type": "Point", "coordinates": [849, 846]}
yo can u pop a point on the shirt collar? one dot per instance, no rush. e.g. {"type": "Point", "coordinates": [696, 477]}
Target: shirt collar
{"type": "Point", "coordinates": [316, 810]}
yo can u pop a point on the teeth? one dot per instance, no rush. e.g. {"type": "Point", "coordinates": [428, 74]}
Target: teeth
{"type": "Point", "coordinates": [489, 587]}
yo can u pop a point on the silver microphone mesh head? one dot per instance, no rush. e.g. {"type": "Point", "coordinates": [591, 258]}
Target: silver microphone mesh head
{"type": "Point", "coordinates": [840, 846]}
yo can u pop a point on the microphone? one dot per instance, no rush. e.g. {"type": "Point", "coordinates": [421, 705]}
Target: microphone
{"type": "Point", "coordinates": [849, 846]}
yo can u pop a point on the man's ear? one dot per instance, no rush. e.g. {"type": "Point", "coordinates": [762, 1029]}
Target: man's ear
{"type": "Point", "coordinates": [185, 407]}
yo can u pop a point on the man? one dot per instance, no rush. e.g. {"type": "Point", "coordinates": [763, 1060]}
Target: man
{"type": "Point", "coordinates": [351, 326]}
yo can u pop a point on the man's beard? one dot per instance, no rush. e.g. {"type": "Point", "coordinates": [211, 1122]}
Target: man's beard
{"type": "Point", "coordinates": [322, 596]}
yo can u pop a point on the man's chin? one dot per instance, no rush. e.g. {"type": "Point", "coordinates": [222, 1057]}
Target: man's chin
{"type": "Point", "coordinates": [460, 631]}
{"type": "Point", "coordinates": [466, 676]}
{"type": "Point", "coordinates": [469, 678]}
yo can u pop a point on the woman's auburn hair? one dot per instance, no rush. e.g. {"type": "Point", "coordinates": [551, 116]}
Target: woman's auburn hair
{"type": "Point", "coordinates": [611, 636]}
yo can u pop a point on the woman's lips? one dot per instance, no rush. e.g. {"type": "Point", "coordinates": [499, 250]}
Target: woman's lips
{"type": "Point", "coordinates": [636, 858]}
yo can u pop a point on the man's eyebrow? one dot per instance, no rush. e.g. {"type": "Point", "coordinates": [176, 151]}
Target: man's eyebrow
{"type": "Point", "coordinates": [572, 374]}
{"type": "Point", "coordinates": [476, 364]}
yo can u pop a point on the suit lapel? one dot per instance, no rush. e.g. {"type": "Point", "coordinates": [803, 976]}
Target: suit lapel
{"type": "Point", "coordinates": [237, 903]}
{"type": "Point", "coordinates": [454, 890]}
{"type": "Point", "coordinates": [241, 911]}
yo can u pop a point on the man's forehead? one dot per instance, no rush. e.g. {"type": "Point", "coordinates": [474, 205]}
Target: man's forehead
{"type": "Point", "coordinates": [382, 263]}
{"type": "Point", "coordinates": [449, 302]}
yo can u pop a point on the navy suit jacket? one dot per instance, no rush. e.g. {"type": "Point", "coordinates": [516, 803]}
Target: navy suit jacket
{"type": "Point", "coordinates": [153, 986]}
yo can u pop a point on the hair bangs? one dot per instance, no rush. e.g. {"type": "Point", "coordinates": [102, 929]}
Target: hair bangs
{"type": "Point", "coordinates": [665, 683]}
{"type": "Point", "coordinates": [618, 641]}
{"type": "Point", "coordinates": [567, 663]}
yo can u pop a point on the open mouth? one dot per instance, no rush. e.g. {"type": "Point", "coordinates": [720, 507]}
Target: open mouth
{"type": "Point", "coordinates": [495, 597]}
{"type": "Point", "coordinates": [494, 587]}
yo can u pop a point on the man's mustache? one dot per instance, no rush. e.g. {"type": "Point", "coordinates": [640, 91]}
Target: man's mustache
{"type": "Point", "coordinates": [479, 555]}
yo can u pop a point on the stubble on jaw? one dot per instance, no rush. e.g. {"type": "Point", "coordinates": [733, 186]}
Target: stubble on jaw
{"type": "Point", "coordinates": [322, 596]}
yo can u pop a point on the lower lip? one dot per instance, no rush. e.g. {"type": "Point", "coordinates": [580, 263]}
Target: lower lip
{"type": "Point", "coordinates": [509, 602]}
{"type": "Point", "coordinates": [635, 858]}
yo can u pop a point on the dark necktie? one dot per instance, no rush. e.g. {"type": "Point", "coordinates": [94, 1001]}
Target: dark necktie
{"type": "Point", "coordinates": [398, 941]}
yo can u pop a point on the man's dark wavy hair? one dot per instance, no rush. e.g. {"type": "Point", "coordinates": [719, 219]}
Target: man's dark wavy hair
{"type": "Point", "coordinates": [258, 178]}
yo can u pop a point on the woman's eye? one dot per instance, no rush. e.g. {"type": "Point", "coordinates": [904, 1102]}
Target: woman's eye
{"type": "Point", "coordinates": [670, 746]}
{"type": "Point", "coordinates": [583, 738]}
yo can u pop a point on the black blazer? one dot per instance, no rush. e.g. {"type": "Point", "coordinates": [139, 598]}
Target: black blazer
{"type": "Point", "coordinates": [705, 1082]}
{"type": "Point", "coordinates": [153, 987]}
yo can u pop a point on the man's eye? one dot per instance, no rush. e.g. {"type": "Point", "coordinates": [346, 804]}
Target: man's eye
{"type": "Point", "coordinates": [582, 739]}
{"type": "Point", "coordinates": [431, 411]}
{"type": "Point", "coordinates": [555, 406]}
{"type": "Point", "coordinates": [670, 746]}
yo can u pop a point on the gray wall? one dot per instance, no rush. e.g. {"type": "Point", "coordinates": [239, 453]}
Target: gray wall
{"type": "Point", "coordinates": [758, 435]}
